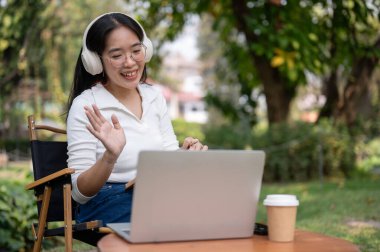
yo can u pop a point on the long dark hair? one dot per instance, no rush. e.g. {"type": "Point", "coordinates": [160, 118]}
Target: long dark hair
{"type": "Point", "coordinates": [95, 41]}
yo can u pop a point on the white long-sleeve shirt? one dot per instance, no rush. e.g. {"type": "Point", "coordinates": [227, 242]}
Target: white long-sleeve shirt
{"type": "Point", "coordinates": [153, 132]}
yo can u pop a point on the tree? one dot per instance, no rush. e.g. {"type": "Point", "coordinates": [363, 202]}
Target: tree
{"type": "Point", "coordinates": [228, 91]}
{"type": "Point", "coordinates": [39, 45]}
{"type": "Point", "coordinates": [19, 33]}
{"type": "Point", "coordinates": [280, 40]}
{"type": "Point", "coordinates": [353, 53]}
{"type": "Point", "coordinates": [251, 56]}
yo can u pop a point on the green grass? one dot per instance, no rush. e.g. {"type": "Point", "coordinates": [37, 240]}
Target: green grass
{"type": "Point", "coordinates": [329, 207]}
{"type": "Point", "coordinates": [324, 207]}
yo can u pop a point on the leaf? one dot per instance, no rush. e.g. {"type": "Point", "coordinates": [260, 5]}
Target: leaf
{"type": "Point", "coordinates": [292, 74]}
{"type": "Point", "coordinates": [350, 4]}
{"type": "Point", "coordinates": [7, 21]}
{"type": "Point", "coordinates": [295, 44]}
{"type": "Point", "coordinates": [313, 37]}
{"type": "Point", "coordinates": [290, 63]}
{"type": "Point", "coordinates": [3, 44]}
{"type": "Point", "coordinates": [277, 61]}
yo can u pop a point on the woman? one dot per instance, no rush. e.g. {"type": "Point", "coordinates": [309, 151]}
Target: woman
{"type": "Point", "coordinates": [113, 115]}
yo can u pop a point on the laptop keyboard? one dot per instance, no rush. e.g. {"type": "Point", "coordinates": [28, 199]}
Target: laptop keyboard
{"type": "Point", "coordinates": [126, 231]}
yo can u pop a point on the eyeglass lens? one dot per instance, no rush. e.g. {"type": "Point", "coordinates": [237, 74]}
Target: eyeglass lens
{"type": "Point", "coordinates": [137, 54]}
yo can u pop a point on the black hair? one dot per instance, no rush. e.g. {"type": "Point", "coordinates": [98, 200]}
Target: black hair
{"type": "Point", "coordinates": [95, 41]}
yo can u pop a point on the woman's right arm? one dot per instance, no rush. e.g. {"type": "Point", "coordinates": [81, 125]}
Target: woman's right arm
{"type": "Point", "coordinates": [85, 127]}
{"type": "Point", "coordinates": [113, 138]}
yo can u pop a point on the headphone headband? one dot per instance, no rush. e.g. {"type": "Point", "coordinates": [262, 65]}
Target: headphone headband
{"type": "Point", "coordinates": [91, 60]}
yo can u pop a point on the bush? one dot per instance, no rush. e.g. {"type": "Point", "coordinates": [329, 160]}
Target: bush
{"type": "Point", "coordinates": [294, 152]}
{"type": "Point", "coordinates": [303, 151]}
{"type": "Point", "coordinates": [20, 145]}
{"type": "Point", "coordinates": [185, 129]}
{"type": "Point", "coordinates": [227, 137]}
{"type": "Point", "coordinates": [17, 210]}
{"type": "Point", "coordinates": [368, 154]}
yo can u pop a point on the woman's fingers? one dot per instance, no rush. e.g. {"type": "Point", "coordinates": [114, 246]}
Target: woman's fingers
{"type": "Point", "coordinates": [95, 117]}
{"type": "Point", "coordinates": [115, 122]}
{"type": "Point", "coordinates": [186, 143]}
{"type": "Point", "coordinates": [110, 134]}
{"type": "Point", "coordinates": [204, 148]}
{"type": "Point", "coordinates": [91, 129]}
{"type": "Point", "coordinates": [198, 146]}
{"type": "Point", "coordinates": [98, 114]}
{"type": "Point", "coordinates": [189, 143]}
{"type": "Point", "coordinates": [95, 123]}
{"type": "Point", "coordinates": [193, 144]}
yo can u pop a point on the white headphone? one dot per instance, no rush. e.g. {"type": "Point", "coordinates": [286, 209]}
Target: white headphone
{"type": "Point", "coordinates": [91, 60]}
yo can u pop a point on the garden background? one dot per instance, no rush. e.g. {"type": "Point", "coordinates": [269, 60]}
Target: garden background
{"type": "Point", "coordinates": [297, 79]}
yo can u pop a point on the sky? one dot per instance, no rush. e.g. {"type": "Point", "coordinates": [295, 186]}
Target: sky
{"type": "Point", "coordinates": [186, 42]}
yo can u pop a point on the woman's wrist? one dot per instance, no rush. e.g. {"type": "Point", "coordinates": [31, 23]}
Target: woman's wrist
{"type": "Point", "coordinates": [109, 158]}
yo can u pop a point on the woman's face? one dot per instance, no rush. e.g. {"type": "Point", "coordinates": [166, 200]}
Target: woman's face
{"type": "Point", "coordinates": [122, 58]}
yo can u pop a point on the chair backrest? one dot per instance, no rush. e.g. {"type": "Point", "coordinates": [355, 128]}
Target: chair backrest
{"type": "Point", "coordinates": [49, 157]}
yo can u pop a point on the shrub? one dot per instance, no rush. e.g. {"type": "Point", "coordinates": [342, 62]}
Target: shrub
{"type": "Point", "coordinates": [20, 145]}
{"type": "Point", "coordinates": [17, 210]}
{"type": "Point", "coordinates": [227, 136]}
{"type": "Point", "coordinates": [185, 129]}
{"type": "Point", "coordinates": [368, 155]}
{"type": "Point", "coordinates": [303, 151]}
{"type": "Point", "coordinates": [294, 152]}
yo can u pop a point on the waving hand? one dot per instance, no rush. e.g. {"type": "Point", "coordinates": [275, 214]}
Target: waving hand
{"type": "Point", "coordinates": [111, 135]}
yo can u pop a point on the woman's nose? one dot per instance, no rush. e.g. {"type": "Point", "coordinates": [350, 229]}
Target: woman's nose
{"type": "Point", "coordinates": [129, 61]}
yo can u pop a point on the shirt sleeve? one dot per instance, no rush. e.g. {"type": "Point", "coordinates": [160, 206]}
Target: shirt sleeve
{"type": "Point", "coordinates": [169, 138]}
{"type": "Point", "coordinates": [81, 145]}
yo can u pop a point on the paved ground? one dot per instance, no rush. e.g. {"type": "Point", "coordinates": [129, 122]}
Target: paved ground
{"type": "Point", "coordinates": [364, 224]}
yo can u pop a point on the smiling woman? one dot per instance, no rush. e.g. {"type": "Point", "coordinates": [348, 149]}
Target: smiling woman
{"type": "Point", "coordinates": [113, 115]}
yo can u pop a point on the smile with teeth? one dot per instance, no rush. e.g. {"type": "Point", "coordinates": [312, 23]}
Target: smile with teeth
{"type": "Point", "coordinates": [130, 74]}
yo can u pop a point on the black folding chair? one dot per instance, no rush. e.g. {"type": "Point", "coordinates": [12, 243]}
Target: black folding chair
{"type": "Point", "coordinates": [52, 187]}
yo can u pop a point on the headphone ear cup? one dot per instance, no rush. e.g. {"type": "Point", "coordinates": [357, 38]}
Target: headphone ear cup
{"type": "Point", "coordinates": [149, 49]}
{"type": "Point", "coordinates": [91, 62]}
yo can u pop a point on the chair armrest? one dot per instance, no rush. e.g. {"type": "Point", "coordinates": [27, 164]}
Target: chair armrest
{"type": "Point", "coordinates": [130, 184]}
{"type": "Point", "coordinates": [49, 178]}
{"type": "Point", "coordinates": [105, 230]}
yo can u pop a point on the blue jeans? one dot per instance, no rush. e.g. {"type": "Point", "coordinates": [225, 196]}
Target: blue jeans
{"type": "Point", "coordinates": [111, 204]}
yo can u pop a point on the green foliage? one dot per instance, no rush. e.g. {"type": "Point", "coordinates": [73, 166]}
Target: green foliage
{"type": "Point", "coordinates": [369, 155]}
{"type": "Point", "coordinates": [297, 152]}
{"type": "Point", "coordinates": [185, 129]}
{"type": "Point", "coordinates": [21, 47]}
{"type": "Point", "coordinates": [39, 44]}
{"type": "Point", "coordinates": [294, 152]}
{"type": "Point", "coordinates": [17, 210]}
{"type": "Point", "coordinates": [18, 144]}
{"type": "Point", "coordinates": [227, 136]}
{"type": "Point", "coordinates": [263, 44]}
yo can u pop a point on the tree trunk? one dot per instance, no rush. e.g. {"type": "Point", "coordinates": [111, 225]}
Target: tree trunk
{"type": "Point", "coordinates": [278, 94]}
{"type": "Point", "coordinates": [332, 96]}
{"type": "Point", "coordinates": [356, 97]}
{"type": "Point", "coordinates": [330, 85]}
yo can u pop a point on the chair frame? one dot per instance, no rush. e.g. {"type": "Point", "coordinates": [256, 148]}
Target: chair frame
{"type": "Point", "coordinates": [43, 189]}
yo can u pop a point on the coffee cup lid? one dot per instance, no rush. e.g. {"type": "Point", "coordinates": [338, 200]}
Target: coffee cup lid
{"type": "Point", "coordinates": [281, 200]}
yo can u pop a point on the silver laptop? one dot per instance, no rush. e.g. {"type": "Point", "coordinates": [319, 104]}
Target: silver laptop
{"type": "Point", "coordinates": [193, 195]}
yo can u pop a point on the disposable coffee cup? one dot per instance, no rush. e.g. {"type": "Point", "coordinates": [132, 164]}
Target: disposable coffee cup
{"type": "Point", "coordinates": [281, 216]}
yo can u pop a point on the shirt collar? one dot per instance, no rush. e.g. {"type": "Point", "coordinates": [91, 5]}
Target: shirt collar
{"type": "Point", "coordinates": [104, 99]}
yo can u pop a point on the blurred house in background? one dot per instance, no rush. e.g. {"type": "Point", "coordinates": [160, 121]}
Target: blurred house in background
{"type": "Point", "coordinates": [185, 101]}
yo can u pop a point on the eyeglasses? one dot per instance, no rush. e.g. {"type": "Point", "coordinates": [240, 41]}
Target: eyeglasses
{"type": "Point", "coordinates": [118, 59]}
